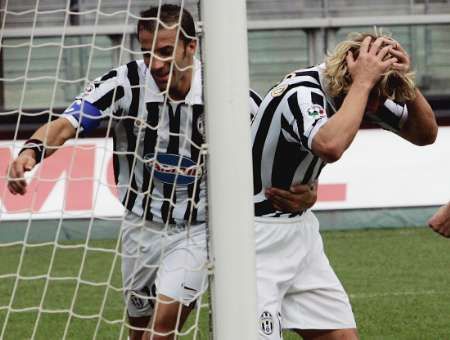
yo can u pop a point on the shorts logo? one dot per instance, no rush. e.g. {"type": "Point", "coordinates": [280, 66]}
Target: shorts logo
{"type": "Point", "coordinates": [266, 323]}
{"type": "Point", "coordinates": [139, 302]}
{"type": "Point", "coordinates": [316, 111]}
{"type": "Point", "coordinates": [279, 90]}
{"type": "Point", "coordinates": [173, 169]}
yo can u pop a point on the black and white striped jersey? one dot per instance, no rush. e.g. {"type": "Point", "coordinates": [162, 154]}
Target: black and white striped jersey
{"type": "Point", "coordinates": [255, 101]}
{"type": "Point", "coordinates": [289, 117]}
{"type": "Point", "coordinates": [158, 163]}
{"type": "Point", "coordinates": [157, 142]}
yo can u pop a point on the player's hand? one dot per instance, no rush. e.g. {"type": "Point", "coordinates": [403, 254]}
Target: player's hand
{"type": "Point", "coordinates": [371, 62]}
{"type": "Point", "coordinates": [404, 62]}
{"type": "Point", "coordinates": [297, 199]}
{"type": "Point", "coordinates": [16, 172]}
{"type": "Point", "coordinates": [440, 221]}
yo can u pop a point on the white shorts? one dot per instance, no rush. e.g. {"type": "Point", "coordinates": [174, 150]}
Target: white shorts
{"type": "Point", "coordinates": [296, 286]}
{"type": "Point", "coordinates": [159, 260]}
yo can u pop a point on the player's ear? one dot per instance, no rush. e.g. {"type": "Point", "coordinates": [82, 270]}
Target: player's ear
{"type": "Point", "coordinates": [191, 47]}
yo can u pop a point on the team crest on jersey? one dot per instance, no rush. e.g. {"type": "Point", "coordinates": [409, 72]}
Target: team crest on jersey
{"type": "Point", "coordinates": [88, 89]}
{"type": "Point", "coordinates": [173, 169]}
{"type": "Point", "coordinates": [316, 111]}
{"type": "Point", "coordinates": [266, 323]}
{"type": "Point", "coordinates": [278, 90]}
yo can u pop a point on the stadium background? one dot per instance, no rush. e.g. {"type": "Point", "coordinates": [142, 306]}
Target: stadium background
{"type": "Point", "coordinates": [397, 278]}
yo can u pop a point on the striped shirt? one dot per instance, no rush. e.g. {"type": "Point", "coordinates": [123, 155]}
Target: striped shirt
{"type": "Point", "coordinates": [158, 163]}
{"type": "Point", "coordinates": [289, 117]}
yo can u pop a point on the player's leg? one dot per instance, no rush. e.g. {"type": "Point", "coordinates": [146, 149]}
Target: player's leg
{"type": "Point", "coordinates": [137, 322]}
{"type": "Point", "coordinates": [316, 305]}
{"type": "Point", "coordinates": [181, 279]}
{"type": "Point", "coordinates": [278, 255]}
{"type": "Point", "coordinates": [142, 246]}
{"type": "Point", "coordinates": [169, 315]}
{"type": "Point", "coordinates": [334, 334]}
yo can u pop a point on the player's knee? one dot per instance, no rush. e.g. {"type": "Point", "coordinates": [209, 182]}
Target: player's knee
{"type": "Point", "coordinates": [138, 324]}
{"type": "Point", "coordinates": [333, 334]}
{"type": "Point", "coordinates": [349, 334]}
{"type": "Point", "coordinates": [168, 316]}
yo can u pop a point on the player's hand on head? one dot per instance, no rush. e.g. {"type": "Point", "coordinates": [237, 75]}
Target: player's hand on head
{"type": "Point", "coordinates": [297, 199]}
{"type": "Point", "coordinates": [404, 62]}
{"type": "Point", "coordinates": [371, 63]}
{"type": "Point", "coordinates": [440, 221]}
{"type": "Point", "coordinates": [16, 172]}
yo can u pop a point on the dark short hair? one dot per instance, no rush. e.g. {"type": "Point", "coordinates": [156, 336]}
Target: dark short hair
{"type": "Point", "coordinates": [169, 15]}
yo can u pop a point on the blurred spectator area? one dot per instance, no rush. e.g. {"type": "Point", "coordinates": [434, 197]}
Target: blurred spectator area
{"type": "Point", "coordinates": [50, 52]}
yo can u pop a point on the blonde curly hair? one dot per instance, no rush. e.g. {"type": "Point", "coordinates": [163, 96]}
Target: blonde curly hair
{"type": "Point", "coordinates": [393, 84]}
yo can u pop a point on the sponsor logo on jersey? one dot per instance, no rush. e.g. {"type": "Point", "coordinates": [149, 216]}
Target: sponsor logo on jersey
{"type": "Point", "coordinates": [278, 90]}
{"type": "Point", "coordinates": [173, 169]}
{"type": "Point", "coordinates": [316, 111]}
{"type": "Point", "coordinates": [266, 323]}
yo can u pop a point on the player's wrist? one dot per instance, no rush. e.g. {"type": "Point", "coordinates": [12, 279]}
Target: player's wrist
{"type": "Point", "coordinates": [363, 86]}
{"type": "Point", "coordinates": [36, 147]}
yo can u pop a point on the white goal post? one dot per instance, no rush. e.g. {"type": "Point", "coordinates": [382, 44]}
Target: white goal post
{"type": "Point", "coordinates": [230, 184]}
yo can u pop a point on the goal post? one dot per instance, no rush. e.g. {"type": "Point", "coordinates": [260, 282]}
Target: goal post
{"type": "Point", "coordinates": [226, 86]}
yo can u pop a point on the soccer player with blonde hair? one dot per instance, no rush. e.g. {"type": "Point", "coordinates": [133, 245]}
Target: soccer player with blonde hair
{"type": "Point", "coordinates": [308, 120]}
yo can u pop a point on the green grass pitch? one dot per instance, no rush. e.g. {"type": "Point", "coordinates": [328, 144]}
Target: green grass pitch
{"type": "Point", "coordinates": [398, 281]}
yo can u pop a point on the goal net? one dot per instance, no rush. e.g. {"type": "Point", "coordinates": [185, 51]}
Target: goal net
{"type": "Point", "coordinates": [61, 246]}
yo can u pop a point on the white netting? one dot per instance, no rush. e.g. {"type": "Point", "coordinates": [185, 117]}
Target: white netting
{"type": "Point", "coordinates": [60, 247]}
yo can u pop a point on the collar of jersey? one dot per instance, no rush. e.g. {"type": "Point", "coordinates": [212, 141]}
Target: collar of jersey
{"type": "Point", "coordinates": [194, 96]}
{"type": "Point", "coordinates": [324, 85]}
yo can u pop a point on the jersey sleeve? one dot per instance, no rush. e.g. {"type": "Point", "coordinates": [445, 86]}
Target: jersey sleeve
{"type": "Point", "coordinates": [390, 116]}
{"type": "Point", "coordinates": [304, 113]}
{"type": "Point", "coordinates": [100, 98]}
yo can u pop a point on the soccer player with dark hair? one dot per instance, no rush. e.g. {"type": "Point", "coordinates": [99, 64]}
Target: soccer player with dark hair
{"type": "Point", "coordinates": [155, 109]}
{"type": "Point", "coordinates": [308, 120]}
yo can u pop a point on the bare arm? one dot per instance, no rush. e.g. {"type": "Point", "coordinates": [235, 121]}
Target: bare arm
{"type": "Point", "coordinates": [337, 134]}
{"type": "Point", "coordinates": [420, 128]}
{"type": "Point", "coordinates": [54, 134]}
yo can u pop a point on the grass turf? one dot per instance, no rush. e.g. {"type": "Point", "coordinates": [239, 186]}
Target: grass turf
{"type": "Point", "coordinates": [397, 279]}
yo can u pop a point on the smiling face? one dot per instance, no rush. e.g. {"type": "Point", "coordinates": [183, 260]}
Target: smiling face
{"type": "Point", "coordinates": [168, 51]}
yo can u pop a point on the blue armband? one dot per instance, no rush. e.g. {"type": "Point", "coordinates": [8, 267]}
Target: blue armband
{"type": "Point", "coordinates": [87, 115]}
